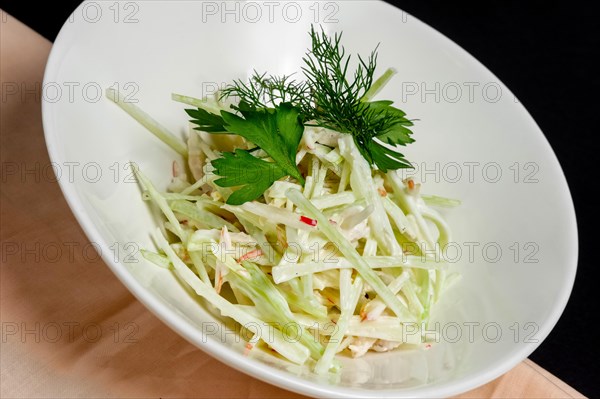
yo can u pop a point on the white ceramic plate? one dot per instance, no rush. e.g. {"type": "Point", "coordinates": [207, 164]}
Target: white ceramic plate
{"type": "Point", "coordinates": [516, 229]}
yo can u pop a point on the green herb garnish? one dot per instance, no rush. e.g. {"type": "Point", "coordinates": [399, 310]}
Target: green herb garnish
{"type": "Point", "coordinates": [274, 111]}
{"type": "Point", "coordinates": [277, 132]}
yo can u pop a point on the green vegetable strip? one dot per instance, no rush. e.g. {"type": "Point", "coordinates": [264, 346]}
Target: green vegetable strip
{"type": "Point", "coordinates": [319, 172]}
{"type": "Point", "coordinates": [306, 321]}
{"type": "Point", "coordinates": [362, 184]}
{"type": "Point", "coordinates": [194, 212]}
{"type": "Point", "coordinates": [414, 304]}
{"type": "Point", "coordinates": [206, 105]}
{"type": "Point", "coordinates": [160, 201]}
{"type": "Point", "coordinates": [415, 262]}
{"type": "Point", "coordinates": [385, 327]}
{"type": "Point", "coordinates": [148, 122]}
{"type": "Point", "coordinates": [210, 154]}
{"type": "Point", "coordinates": [434, 200]}
{"type": "Point", "coordinates": [345, 177]}
{"type": "Point", "coordinates": [379, 84]}
{"type": "Point", "coordinates": [409, 205]}
{"type": "Point", "coordinates": [276, 215]}
{"type": "Point", "coordinates": [333, 200]}
{"type": "Point", "coordinates": [293, 351]}
{"type": "Point", "coordinates": [194, 186]}
{"type": "Point", "coordinates": [196, 258]}
{"type": "Point", "coordinates": [285, 272]}
{"type": "Point", "coordinates": [157, 259]}
{"type": "Point", "coordinates": [389, 328]}
{"type": "Point", "coordinates": [294, 296]}
{"type": "Point", "coordinates": [399, 218]}
{"type": "Point", "coordinates": [349, 293]}
{"type": "Point", "coordinates": [227, 260]}
{"type": "Point", "coordinates": [260, 222]}
{"type": "Point", "coordinates": [444, 238]}
{"type": "Point", "coordinates": [434, 280]}
{"type": "Point", "coordinates": [260, 238]}
{"type": "Point", "coordinates": [373, 309]}
{"type": "Point", "coordinates": [307, 281]}
{"type": "Point", "coordinates": [301, 238]}
{"type": "Point", "coordinates": [307, 286]}
{"type": "Point", "coordinates": [347, 250]}
{"type": "Point", "coordinates": [175, 197]}
{"type": "Point", "coordinates": [308, 186]}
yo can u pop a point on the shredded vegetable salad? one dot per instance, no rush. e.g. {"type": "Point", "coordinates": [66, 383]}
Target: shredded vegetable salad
{"type": "Point", "coordinates": [288, 210]}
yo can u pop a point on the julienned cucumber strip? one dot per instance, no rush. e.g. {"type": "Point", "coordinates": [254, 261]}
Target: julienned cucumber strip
{"type": "Point", "coordinates": [435, 200]}
{"type": "Point", "coordinates": [349, 293]}
{"type": "Point", "coordinates": [285, 272]}
{"type": "Point", "coordinates": [148, 122]}
{"type": "Point", "coordinates": [157, 259]}
{"type": "Point", "coordinates": [348, 251]}
{"type": "Point", "coordinates": [379, 84]}
{"type": "Point", "coordinates": [207, 105]}
{"type": "Point", "coordinates": [160, 201]}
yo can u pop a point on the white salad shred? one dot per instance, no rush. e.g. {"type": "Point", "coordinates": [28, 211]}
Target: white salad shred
{"type": "Point", "coordinates": [349, 260]}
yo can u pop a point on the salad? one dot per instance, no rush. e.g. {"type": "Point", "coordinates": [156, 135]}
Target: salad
{"type": "Point", "coordinates": [290, 210]}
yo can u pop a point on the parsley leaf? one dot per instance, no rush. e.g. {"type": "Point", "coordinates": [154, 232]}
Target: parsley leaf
{"type": "Point", "coordinates": [276, 131]}
{"type": "Point", "coordinates": [394, 134]}
{"type": "Point", "coordinates": [206, 121]}
{"type": "Point", "coordinates": [243, 169]}
{"type": "Point", "coordinates": [384, 157]}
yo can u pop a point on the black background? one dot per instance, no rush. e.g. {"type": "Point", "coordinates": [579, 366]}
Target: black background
{"type": "Point", "coordinates": [543, 52]}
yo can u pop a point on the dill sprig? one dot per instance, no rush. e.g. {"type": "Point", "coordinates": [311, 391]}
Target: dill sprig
{"type": "Point", "coordinates": [263, 91]}
{"type": "Point", "coordinates": [334, 97]}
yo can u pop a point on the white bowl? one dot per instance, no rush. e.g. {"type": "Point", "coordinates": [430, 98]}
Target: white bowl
{"type": "Point", "coordinates": [153, 48]}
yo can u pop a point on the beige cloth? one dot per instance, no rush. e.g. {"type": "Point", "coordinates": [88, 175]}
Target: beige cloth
{"type": "Point", "coordinates": [69, 328]}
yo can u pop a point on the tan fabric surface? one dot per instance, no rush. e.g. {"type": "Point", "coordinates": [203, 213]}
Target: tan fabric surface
{"type": "Point", "coordinates": [69, 328]}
